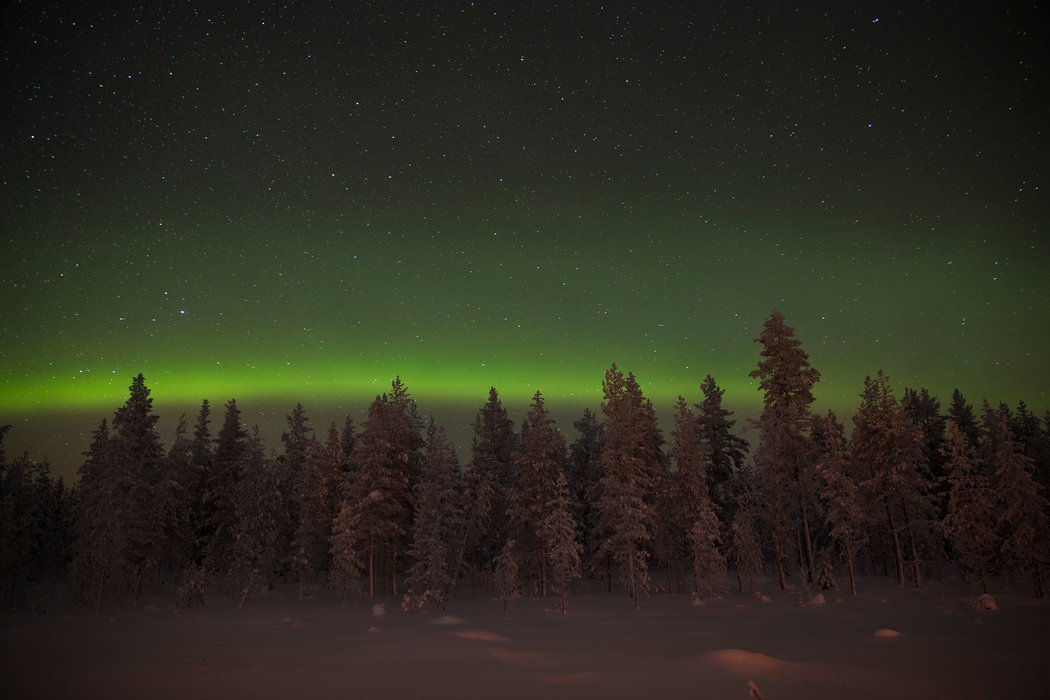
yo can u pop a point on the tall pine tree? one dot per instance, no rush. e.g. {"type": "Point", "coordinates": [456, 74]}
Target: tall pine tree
{"type": "Point", "coordinates": [438, 520]}
{"type": "Point", "coordinates": [631, 461]}
{"type": "Point", "coordinates": [841, 495]}
{"type": "Point", "coordinates": [970, 523]}
{"type": "Point", "coordinates": [490, 478]}
{"type": "Point", "coordinates": [387, 454]}
{"type": "Point", "coordinates": [540, 461]}
{"type": "Point", "coordinates": [785, 454]}
{"type": "Point", "coordinates": [1022, 507]}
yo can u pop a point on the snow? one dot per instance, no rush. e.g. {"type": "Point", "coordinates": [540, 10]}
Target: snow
{"type": "Point", "coordinates": [279, 646]}
{"type": "Point", "coordinates": [885, 633]}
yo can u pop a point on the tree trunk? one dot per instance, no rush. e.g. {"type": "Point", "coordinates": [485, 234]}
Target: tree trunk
{"type": "Point", "coordinates": [808, 552]}
{"type": "Point", "coordinates": [849, 563]}
{"type": "Point", "coordinates": [634, 589]}
{"type": "Point", "coordinates": [897, 560]}
{"type": "Point", "coordinates": [248, 585]}
{"type": "Point", "coordinates": [98, 599]}
{"type": "Point", "coordinates": [371, 570]}
{"type": "Point", "coordinates": [543, 573]}
{"type": "Point", "coordinates": [916, 573]}
{"type": "Point", "coordinates": [778, 554]}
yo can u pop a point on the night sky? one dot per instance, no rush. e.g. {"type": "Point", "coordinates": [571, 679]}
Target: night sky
{"type": "Point", "coordinates": [298, 201]}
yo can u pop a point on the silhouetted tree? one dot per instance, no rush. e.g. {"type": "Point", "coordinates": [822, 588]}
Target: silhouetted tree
{"type": "Point", "coordinates": [540, 461]}
{"type": "Point", "coordinates": [438, 519]}
{"type": "Point", "coordinates": [256, 550]}
{"type": "Point", "coordinates": [630, 462]}
{"type": "Point", "coordinates": [887, 450]}
{"type": "Point", "coordinates": [971, 520]}
{"type": "Point", "coordinates": [490, 477]}
{"type": "Point", "coordinates": [1022, 509]}
{"type": "Point", "coordinates": [726, 451]}
{"type": "Point", "coordinates": [387, 455]}
{"type": "Point", "coordinates": [961, 413]}
{"type": "Point", "coordinates": [101, 532]}
{"type": "Point", "coordinates": [785, 454]}
{"type": "Point", "coordinates": [841, 495]}
{"type": "Point", "coordinates": [220, 513]}
{"type": "Point", "coordinates": [558, 533]}
{"type": "Point", "coordinates": [584, 471]}
{"type": "Point", "coordinates": [691, 455]}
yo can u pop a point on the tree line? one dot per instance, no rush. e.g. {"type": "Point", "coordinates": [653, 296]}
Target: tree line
{"type": "Point", "coordinates": [387, 509]}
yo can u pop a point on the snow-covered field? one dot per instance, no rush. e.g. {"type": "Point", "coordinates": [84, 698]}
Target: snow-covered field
{"type": "Point", "coordinates": [882, 644]}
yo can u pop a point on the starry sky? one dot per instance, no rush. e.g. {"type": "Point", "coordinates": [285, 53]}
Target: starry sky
{"type": "Point", "coordinates": [299, 201]}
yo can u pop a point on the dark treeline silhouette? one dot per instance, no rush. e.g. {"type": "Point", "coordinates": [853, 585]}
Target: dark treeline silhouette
{"type": "Point", "coordinates": [385, 509]}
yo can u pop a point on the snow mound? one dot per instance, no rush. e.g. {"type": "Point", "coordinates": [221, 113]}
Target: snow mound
{"type": "Point", "coordinates": [481, 636]}
{"type": "Point", "coordinates": [986, 602]}
{"type": "Point", "coordinates": [698, 602]}
{"type": "Point", "coordinates": [885, 633]}
{"type": "Point", "coordinates": [447, 620]}
{"type": "Point", "coordinates": [379, 610]}
{"type": "Point", "coordinates": [746, 662]}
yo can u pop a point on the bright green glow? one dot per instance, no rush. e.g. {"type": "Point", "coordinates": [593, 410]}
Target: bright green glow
{"type": "Point", "coordinates": [333, 316]}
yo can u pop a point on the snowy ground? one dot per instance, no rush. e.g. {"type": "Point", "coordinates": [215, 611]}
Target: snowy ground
{"type": "Point", "coordinates": [883, 644]}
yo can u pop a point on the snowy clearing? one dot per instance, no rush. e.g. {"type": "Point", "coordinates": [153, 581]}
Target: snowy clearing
{"type": "Point", "coordinates": [278, 646]}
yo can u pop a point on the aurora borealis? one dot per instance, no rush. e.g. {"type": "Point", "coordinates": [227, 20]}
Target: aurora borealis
{"type": "Point", "coordinates": [282, 202]}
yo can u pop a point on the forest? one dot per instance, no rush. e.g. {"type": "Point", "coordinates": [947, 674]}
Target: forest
{"type": "Point", "coordinates": [914, 493]}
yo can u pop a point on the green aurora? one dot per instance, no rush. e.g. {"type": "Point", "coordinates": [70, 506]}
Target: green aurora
{"type": "Point", "coordinates": [277, 206]}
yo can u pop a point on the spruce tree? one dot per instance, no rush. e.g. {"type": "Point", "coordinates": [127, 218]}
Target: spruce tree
{"type": "Point", "coordinates": [181, 501]}
{"type": "Point", "coordinates": [841, 495]}
{"type": "Point", "coordinates": [558, 533]}
{"type": "Point", "coordinates": [970, 523]}
{"type": "Point", "coordinates": [744, 546]}
{"type": "Point", "coordinates": [785, 454]}
{"type": "Point", "coordinates": [1034, 442]}
{"type": "Point", "coordinates": [257, 502]}
{"type": "Point", "coordinates": [691, 456]}
{"type": "Point", "coordinates": [961, 413]}
{"type": "Point", "coordinates": [299, 478]}
{"type": "Point", "coordinates": [137, 457]}
{"type": "Point", "coordinates": [887, 449]}
{"type": "Point", "coordinates": [726, 451]}
{"type": "Point", "coordinates": [1023, 521]}
{"type": "Point", "coordinates": [490, 478]}
{"type": "Point", "coordinates": [505, 573]}
{"type": "Point", "coordinates": [348, 439]}
{"type": "Point", "coordinates": [331, 464]}
{"type": "Point", "coordinates": [540, 461]}
{"type": "Point", "coordinates": [220, 518]}
{"type": "Point", "coordinates": [387, 456]}
{"type": "Point", "coordinates": [202, 454]}
{"type": "Point", "coordinates": [631, 460]}
{"type": "Point", "coordinates": [584, 471]}
{"type": "Point", "coordinates": [924, 410]}
{"type": "Point", "coordinates": [346, 560]}
{"type": "Point", "coordinates": [102, 544]}
{"type": "Point", "coordinates": [438, 521]}
{"type": "Point", "coordinates": [31, 526]}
